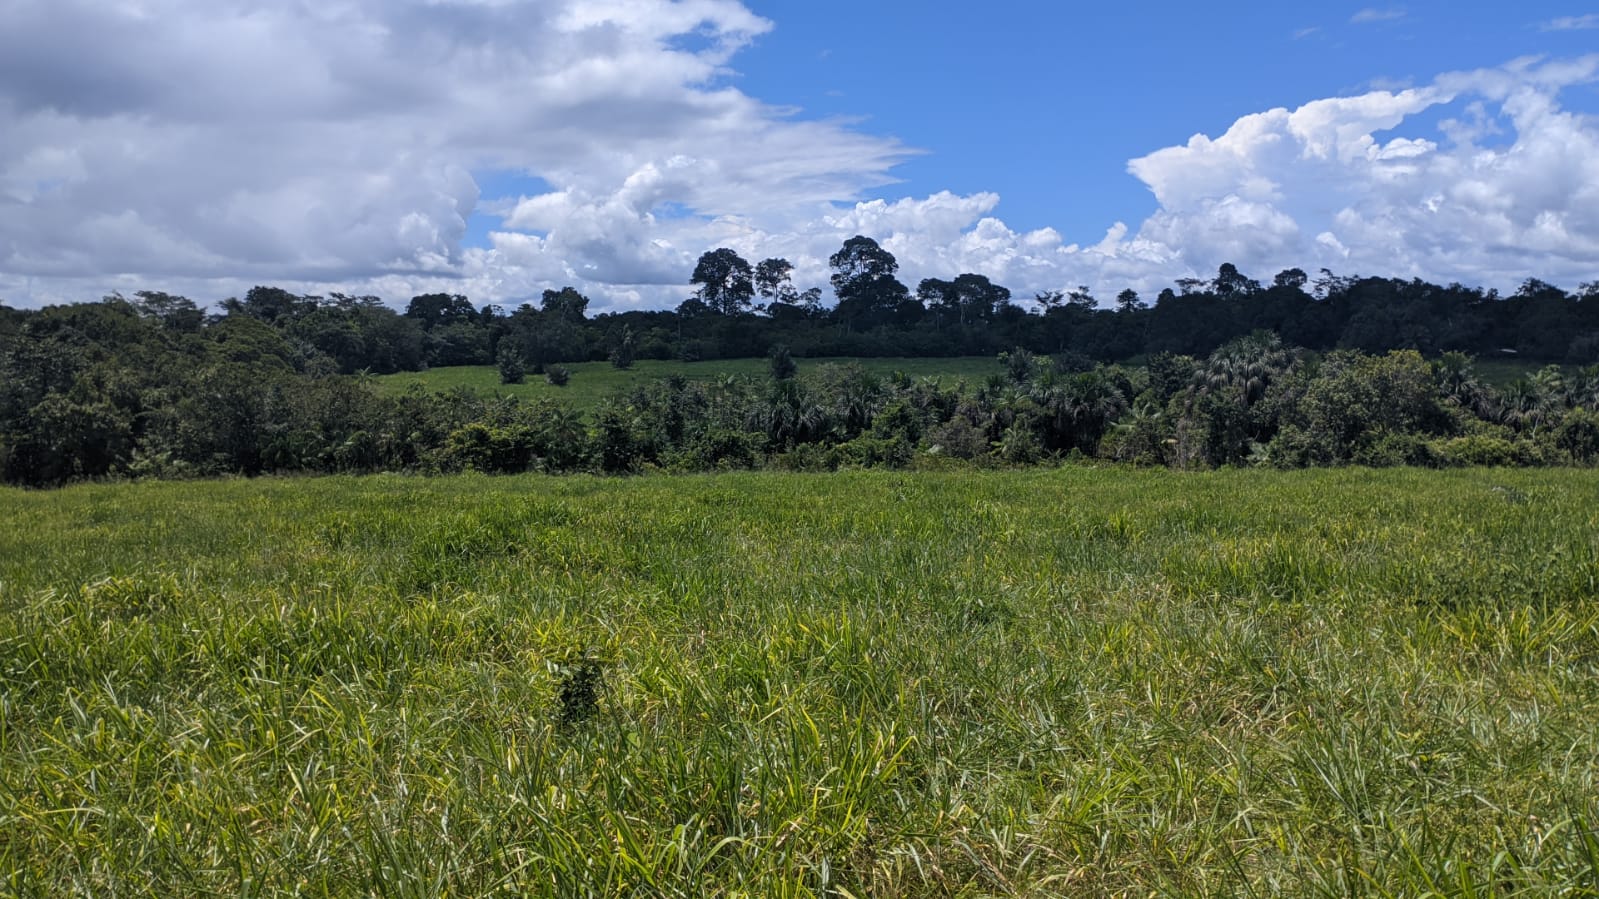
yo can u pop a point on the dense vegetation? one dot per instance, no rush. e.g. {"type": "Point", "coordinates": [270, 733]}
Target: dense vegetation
{"type": "Point", "coordinates": [1233, 372]}
{"type": "Point", "coordinates": [1050, 682]}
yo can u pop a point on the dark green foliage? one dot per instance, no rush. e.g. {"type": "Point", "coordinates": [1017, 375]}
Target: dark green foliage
{"type": "Point", "coordinates": [726, 281]}
{"type": "Point", "coordinates": [1019, 365]}
{"type": "Point", "coordinates": [1578, 436]}
{"type": "Point", "coordinates": [580, 682]}
{"type": "Point", "coordinates": [783, 366]}
{"type": "Point", "coordinates": [863, 280]}
{"type": "Point", "coordinates": [625, 351]}
{"type": "Point", "coordinates": [566, 305]}
{"type": "Point", "coordinates": [1237, 374]}
{"type": "Point", "coordinates": [509, 361]}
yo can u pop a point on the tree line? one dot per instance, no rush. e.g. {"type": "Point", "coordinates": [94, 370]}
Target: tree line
{"type": "Point", "coordinates": [152, 386]}
{"type": "Point", "coordinates": [739, 310]}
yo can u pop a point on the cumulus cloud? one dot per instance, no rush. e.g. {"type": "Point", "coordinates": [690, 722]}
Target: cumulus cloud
{"type": "Point", "coordinates": [336, 143]}
{"type": "Point", "coordinates": [1332, 183]}
{"type": "Point", "coordinates": [207, 146]}
{"type": "Point", "coordinates": [1505, 187]}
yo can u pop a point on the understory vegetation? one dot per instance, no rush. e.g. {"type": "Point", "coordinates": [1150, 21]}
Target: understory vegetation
{"type": "Point", "coordinates": [114, 390]}
{"type": "Point", "coordinates": [1024, 683]}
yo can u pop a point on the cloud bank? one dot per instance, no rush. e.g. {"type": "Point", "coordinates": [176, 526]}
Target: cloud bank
{"type": "Point", "coordinates": [206, 146]}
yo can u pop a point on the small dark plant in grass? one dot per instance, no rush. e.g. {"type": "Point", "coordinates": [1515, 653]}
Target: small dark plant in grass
{"type": "Point", "coordinates": [509, 360]}
{"type": "Point", "coordinates": [557, 375]}
{"type": "Point", "coordinates": [580, 680]}
{"type": "Point", "coordinates": [979, 612]}
{"type": "Point", "coordinates": [625, 350]}
{"type": "Point", "coordinates": [783, 365]}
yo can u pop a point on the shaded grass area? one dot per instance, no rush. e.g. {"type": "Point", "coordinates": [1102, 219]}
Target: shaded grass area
{"type": "Point", "coordinates": [593, 381]}
{"type": "Point", "coordinates": [1051, 682]}
{"type": "Point", "coordinates": [1498, 373]}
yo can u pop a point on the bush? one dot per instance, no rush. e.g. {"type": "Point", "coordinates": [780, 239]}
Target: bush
{"type": "Point", "coordinates": [1291, 448]}
{"type": "Point", "coordinates": [1479, 449]}
{"type": "Point", "coordinates": [622, 355]}
{"type": "Point", "coordinates": [1577, 436]}
{"type": "Point", "coordinates": [491, 450]}
{"type": "Point", "coordinates": [1393, 449]}
{"type": "Point", "coordinates": [1019, 445]}
{"type": "Point", "coordinates": [958, 438]}
{"type": "Point", "coordinates": [876, 452]}
{"type": "Point", "coordinates": [783, 365]}
{"type": "Point", "coordinates": [725, 448]}
{"type": "Point", "coordinates": [509, 360]}
{"type": "Point", "coordinates": [557, 375]}
{"type": "Point", "coordinates": [808, 457]}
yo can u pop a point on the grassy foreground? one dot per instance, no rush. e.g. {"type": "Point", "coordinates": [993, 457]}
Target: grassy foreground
{"type": "Point", "coordinates": [1065, 682]}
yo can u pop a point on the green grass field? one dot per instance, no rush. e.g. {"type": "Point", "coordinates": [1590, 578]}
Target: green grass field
{"type": "Point", "coordinates": [1068, 682]}
{"type": "Point", "coordinates": [593, 381]}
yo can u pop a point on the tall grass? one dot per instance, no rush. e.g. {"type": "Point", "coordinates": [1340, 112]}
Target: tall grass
{"type": "Point", "coordinates": [1068, 682]}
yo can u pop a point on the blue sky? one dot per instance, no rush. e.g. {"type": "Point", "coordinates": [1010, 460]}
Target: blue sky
{"type": "Point", "coordinates": [1044, 103]}
{"type": "Point", "coordinates": [499, 147]}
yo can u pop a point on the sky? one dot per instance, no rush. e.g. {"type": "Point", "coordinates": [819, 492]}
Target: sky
{"type": "Point", "coordinates": [495, 148]}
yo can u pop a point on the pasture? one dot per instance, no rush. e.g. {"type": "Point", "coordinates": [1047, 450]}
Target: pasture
{"type": "Point", "coordinates": [1050, 682]}
{"type": "Point", "coordinates": [593, 381]}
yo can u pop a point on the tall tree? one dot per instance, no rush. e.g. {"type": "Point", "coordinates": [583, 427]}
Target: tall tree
{"type": "Point", "coordinates": [1291, 278]}
{"type": "Point", "coordinates": [565, 304]}
{"type": "Point", "coordinates": [772, 280]}
{"type": "Point", "coordinates": [1230, 282]}
{"type": "Point", "coordinates": [967, 299]}
{"type": "Point", "coordinates": [431, 310]}
{"type": "Point", "coordinates": [727, 283]}
{"type": "Point", "coordinates": [863, 280]}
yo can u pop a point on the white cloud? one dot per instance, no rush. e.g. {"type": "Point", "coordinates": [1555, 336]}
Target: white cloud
{"type": "Point", "coordinates": [189, 141]}
{"type": "Point", "coordinates": [1571, 23]}
{"type": "Point", "coordinates": [1371, 15]}
{"type": "Point", "coordinates": [330, 147]}
{"type": "Point", "coordinates": [1325, 185]}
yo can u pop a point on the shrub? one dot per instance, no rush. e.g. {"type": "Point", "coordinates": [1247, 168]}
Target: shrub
{"type": "Point", "coordinates": [557, 375]}
{"type": "Point", "coordinates": [581, 679]}
{"type": "Point", "coordinates": [1477, 449]}
{"type": "Point", "coordinates": [876, 452]}
{"type": "Point", "coordinates": [1577, 436]}
{"type": "Point", "coordinates": [808, 457]}
{"type": "Point", "coordinates": [509, 360]}
{"type": "Point", "coordinates": [783, 365]}
{"type": "Point", "coordinates": [958, 438]}
{"type": "Point", "coordinates": [726, 448]}
{"type": "Point", "coordinates": [1019, 445]}
{"type": "Point", "coordinates": [622, 355]}
{"type": "Point", "coordinates": [1392, 449]}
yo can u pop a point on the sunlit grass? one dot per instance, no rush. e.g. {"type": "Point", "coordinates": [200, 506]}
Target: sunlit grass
{"type": "Point", "coordinates": [1052, 682]}
{"type": "Point", "coordinates": [593, 381]}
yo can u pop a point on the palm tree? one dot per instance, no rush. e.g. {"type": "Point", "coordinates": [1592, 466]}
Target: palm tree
{"type": "Point", "coordinates": [789, 415]}
{"type": "Point", "coordinates": [1078, 408]}
{"type": "Point", "coordinates": [1550, 382]}
{"type": "Point", "coordinates": [1584, 388]}
{"type": "Point", "coordinates": [1246, 365]}
{"type": "Point", "coordinates": [1523, 405]}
